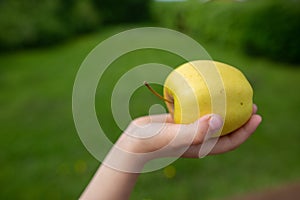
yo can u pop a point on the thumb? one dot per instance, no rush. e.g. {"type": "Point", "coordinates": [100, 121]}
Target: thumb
{"type": "Point", "coordinates": [206, 127]}
{"type": "Point", "coordinates": [184, 135]}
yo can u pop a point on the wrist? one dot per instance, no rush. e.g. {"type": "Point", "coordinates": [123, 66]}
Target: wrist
{"type": "Point", "coordinates": [133, 145]}
{"type": "Point", "coordinates": [126, 155]}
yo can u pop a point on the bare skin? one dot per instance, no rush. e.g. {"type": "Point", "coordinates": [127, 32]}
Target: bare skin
{"type": "Point", "coordinates": [114, 184]}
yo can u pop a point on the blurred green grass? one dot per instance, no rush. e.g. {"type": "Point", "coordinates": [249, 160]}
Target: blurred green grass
{"type": "Point", "coordinates": [42, 157]}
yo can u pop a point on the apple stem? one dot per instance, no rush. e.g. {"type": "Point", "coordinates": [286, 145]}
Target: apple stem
{"type": "Point", "coordinates": [156, 94]}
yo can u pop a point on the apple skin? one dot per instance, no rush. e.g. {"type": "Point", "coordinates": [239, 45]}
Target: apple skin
{"type": "Point", "coordinates": [203, 87]}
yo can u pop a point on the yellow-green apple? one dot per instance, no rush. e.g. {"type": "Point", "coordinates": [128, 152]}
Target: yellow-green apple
{"type": "Point", "coordinates": [201, 87]}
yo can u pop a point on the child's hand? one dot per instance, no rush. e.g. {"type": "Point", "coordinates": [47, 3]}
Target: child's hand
{"type": "Point", "coordinates": [158, 133]}
{"type": "Point", "coordinates": [157, 136]}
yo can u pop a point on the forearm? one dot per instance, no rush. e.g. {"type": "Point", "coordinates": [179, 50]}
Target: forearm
{"type": "Point", "coordinates": [117, 175]}
{"type": "Point", "coordinates": [109, 183]}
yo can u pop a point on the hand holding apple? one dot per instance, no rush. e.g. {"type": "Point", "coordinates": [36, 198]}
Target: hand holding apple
{"type": "Point", "coordinates": [189, 138]}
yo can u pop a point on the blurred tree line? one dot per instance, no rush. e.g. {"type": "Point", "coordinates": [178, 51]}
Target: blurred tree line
{"type": "Point", "coordinates": [27, 23]}
{"type": "Point", "coordinates": [258, 27]}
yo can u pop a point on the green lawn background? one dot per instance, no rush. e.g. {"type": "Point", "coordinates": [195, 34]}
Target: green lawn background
{"type": "Point", "coordinates": [42, 157]}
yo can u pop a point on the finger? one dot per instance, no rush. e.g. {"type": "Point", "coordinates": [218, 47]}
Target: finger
{"type": "Point", "coordinates": [228, 142]}
{"type": "Point", "coordinates": [192, 134]}
{"type": "Point", "coordinates": [160, 118]}
{"type": "Point", "coordinates": [254, 110]}
{"type": "Point", "coordinates": [160, 135]}
{"type": "Point", "coordinates": [232, 141]}
{"type": "Point", "coordinates": [173, 139]}
{"type": "Point", "coordinates": [181, 135]}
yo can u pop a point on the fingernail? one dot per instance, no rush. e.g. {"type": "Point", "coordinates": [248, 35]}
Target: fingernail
{"type": "Point", "coordinates": [215, 123]}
